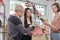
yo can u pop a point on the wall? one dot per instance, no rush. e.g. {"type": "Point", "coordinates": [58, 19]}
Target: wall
{"type": "Point", "coordinates": [44, 2]}
{"type": "Point", "coordinates": [48, 8]}
{"type": "Point", "coordinates": [49, 12]}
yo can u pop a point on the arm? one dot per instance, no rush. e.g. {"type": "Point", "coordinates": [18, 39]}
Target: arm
{"type": "Point", "coordinates": [53, 27]}
{"type": "Point", "coordinates": [18, 24]}
{"type": "Point", "coordinates": [23, 29]}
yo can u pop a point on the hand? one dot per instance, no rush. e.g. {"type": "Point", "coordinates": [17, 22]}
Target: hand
{"type": "Point", "coordinates": [43, 26]}
{"type": "Point", "coordinates": [46, 31]}
{"type": "Point", "coordinates": [46, 22]}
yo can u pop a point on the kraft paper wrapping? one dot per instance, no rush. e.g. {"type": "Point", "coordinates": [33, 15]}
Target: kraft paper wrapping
{"type": "Point", "coordinates": [42, 37]}
{"type": "Point", "coordinates": [37, 34]}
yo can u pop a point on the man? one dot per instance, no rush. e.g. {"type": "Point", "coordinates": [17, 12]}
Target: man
{"type": "Point", "coordinates": [15, 27]}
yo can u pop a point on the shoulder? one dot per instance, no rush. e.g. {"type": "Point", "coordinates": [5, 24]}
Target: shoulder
{"type": "Point", "coordinates": [12, 17]}
{"type": "Point", "coordinates": [58, 16]}
{"type": "Point", "coordinates": [14, 20]}
{"type": "Point", "coordinates": [59, 13]}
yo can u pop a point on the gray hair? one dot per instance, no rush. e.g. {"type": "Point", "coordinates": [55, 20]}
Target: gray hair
{"type": "Point", "coordinates": [18, 7]}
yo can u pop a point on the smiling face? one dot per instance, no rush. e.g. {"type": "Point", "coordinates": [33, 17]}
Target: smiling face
{"type": "Point", "coordinates": [19, 10]}
{"type": "Point", "coordinates": [28, 13]}
{"type": "Point", "coordinates": [54, 9]}
{"type": "Point", "coordinates": [20, 13]}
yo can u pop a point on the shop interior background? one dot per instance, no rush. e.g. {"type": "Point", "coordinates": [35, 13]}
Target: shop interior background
{"type": "Point", "coordinates": [47, 3]}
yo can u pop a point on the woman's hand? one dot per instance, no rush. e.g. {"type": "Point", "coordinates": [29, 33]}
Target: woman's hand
{"type": "Point", "coordinates": [45, 22]}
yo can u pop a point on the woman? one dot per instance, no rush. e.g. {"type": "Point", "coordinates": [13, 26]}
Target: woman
{"type": "Point", "coordinates": [27, 22]}
{"type": "Point", "coordinates": [55, 24]}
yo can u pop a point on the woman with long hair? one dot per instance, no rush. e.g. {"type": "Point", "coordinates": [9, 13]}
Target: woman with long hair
{"type": "Point", "coordinates": [27, 22]}
{"type": "Point", "coordinates": [55, 24]}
